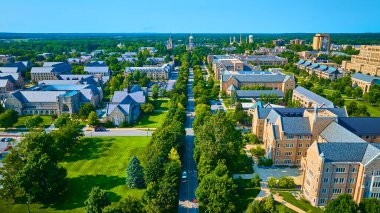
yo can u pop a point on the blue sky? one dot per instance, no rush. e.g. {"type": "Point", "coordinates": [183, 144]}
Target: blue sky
{"type": "Point", "coordinates": [186, 16]}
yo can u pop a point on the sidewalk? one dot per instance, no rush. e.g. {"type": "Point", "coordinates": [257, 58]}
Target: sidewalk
{"type": "Point", "coordinates": [265, 191]}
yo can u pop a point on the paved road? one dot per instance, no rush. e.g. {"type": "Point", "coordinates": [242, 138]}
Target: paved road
{"type": "Point", "coordinates": [188, 186]}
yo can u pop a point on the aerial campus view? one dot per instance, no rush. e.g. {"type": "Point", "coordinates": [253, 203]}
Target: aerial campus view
{"type": "Point", "coordinates": [190, 106]}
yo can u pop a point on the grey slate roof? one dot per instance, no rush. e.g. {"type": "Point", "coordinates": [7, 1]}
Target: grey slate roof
{"type": "Point", "coordinates": [124, 96]}
{"type": "Point", "coordinates": [366, 78]}
{"type": "Point", "coordinates": [263, 112]}
{"type": "Point", "coordinates": [344, 152]}
{"type": "Point", "coordinates": [96, 64]}
{"type": "Point", "coordinates": [37, 96]}
{"type": "Point", "coordinates": [336, 133]}
{"type": "Point", "coordinates": [124, 108]}
{"type": "Point", "coordinates": [361, 126]}
{"type": "Point", "coordinates": [3, 82]}
{"type": "Point", "coordinates": [321, 101]}
{"type": "Point", "coordinates": [9, 69]}
{"type": "Point", "coordinates": [100, 70]}
{"type": "Point", "coordinates": [258, 93]}
{"type": "Point", "coordinates": [296, 125]}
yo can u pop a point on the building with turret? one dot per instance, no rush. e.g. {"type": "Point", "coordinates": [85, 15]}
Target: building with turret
{"type": "Point", "coordinates": [170, 42]}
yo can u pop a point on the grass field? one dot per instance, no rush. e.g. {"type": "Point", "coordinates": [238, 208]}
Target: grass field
{"type": "Point", "coordinates": [21, 121]}
{"type": "Point", "coordinates": [246, 195]}
{"type": "Point", "coordinates": [99, 161]}
{"type": "Point", "coordinates": [161, 104]}
{"type": "Point", "coordinates": [302, 204]}
{"type": "Point", "coordinates": [153, 120]}
{"type": "Point", "coordinates": [374, 111]}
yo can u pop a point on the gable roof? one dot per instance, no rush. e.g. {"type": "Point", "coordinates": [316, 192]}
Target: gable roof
{"type": "Point", "coordinates": [361, 126]}
{"type": "Point", "coordinates": [296, 125]}
{"type": "Point", "coordinates": [336, 133]}
{"type": "Point", "coordinates": [9, 69]}
{"type": "Point", "coordinates": [366, 78]}
{"type": "Point", "coordinates": [321, 101]}
{"type": "Point", "coordinates": [37, 96]}
{"type": "Point", "coordinates": [344, 152]}
{"type": "Point", "coordinates": [124, 108]}
{"type": "Point", "coordinates": [124, 97]}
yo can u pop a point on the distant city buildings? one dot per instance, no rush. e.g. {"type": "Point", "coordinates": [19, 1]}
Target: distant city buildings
{"type": "Point", "coordinates": [170, 43]}
{"type": "Point", "coordinates": [158, 73]}
{"type": "Point", "coordinates": [367, 62]}
{"type": "Point", "coordinates": [278, 42]}
{"type": "Point", "coordinates": [321, 42]}
{"type": "Point", "coordinates": [97, 68]}
{"type": "Point", "coordinates": [297, 41]}
{"type": "Point", "coordinates": [50, 71]}
{"type": "Point", "coordinates": [250, 39]}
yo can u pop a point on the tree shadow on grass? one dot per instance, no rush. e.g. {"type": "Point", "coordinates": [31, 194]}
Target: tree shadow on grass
{"type": "Point", "coordinates": [90, 148]}
{"type": "Point", "coordinates": [79, 188]}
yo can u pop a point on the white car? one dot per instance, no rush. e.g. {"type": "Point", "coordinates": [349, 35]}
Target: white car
{"type": "Point", "coordinates": [184, 175]}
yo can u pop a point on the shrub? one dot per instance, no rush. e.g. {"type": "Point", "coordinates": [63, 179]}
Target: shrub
{"type": "Point", "coordinates": [265, 161]}
{"type": "Point", "coordinates": [258, 151]}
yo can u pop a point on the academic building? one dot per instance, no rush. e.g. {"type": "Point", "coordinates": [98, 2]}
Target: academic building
{"type": "Point", "coordinates": [367, 62]}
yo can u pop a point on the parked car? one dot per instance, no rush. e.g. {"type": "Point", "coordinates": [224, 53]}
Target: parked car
{"type": "Point", "coordinates": [100, 129]}
{"type": "Point", "coordinates": [8, 139]}
{"type": "Point", "coordinates": [2, 140]}
{"type": "Point", "coordinates": [184, 175]}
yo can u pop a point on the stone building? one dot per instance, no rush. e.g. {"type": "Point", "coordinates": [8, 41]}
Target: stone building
{"type": "Point", "coordinates": [367, 62]}
{"type": "Point", "coordinates": [309, 99]}
{"type": "Point", "coordinates": [50, 71]}
{"type": "Point", "coordinates": [364, 81]}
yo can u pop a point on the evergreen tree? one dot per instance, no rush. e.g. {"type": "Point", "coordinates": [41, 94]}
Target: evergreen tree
{"type": "Point", "coordinates": [135, 174]}
{"type": "Point", "coordinates": [233, 97]}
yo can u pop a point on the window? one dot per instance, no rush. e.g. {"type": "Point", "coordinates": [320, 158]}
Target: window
{"type": "Point", "coordinates": [288, 153]}
{"type": "Point", "coordinates": [353, 170]}
{"type": "Point", "coordinates": [278, 145]}
{"type": "Point", "coordinates": [338, 180]}
{"type": "Point", "coordinates": [337, 191]}
{"type": "Point", "coordinates": [322, 201]}
{"type": "Point", "coordinates": [325, 180]}
{"type": "Point", "coordinates": [352, 180]}
{"type": "Point", "coordinates": [340, 170]}
{"type": "Point", "coordinates": [299, 145]}
{"type": "Point", "coordinates": [375, 195]}
{"type": "Point", "coordinates": [298, 161]}
{"type": "Point", "coordinates": [327, 169]}
{"type": "Point", "coordinates": [349, 191]}
{"type": "Point", "coordinates": [289, 145]}
{"type": "Point", "coordinates": [376, 184]}
{"type": "Point", "coordinates": [307, 145]}
{"type": "Point", "coordinates": [324, 191]}
{"type": "Point", "coordinates": [299, 153]}
{"type": "Point", "coordinates": [300, 137]}
{"type": "Point", "coordinates": [288, 161]}
{"type": "Point", "coordinates": [277, 153]}
{"type": "Point", "coordinates": [376, 173]}
{"type": "Point", "coordinates": [289, 137]}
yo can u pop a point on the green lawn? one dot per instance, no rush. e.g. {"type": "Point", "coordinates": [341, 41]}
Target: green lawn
{"type": "Point", "coordinates": [151, 121]}
{"type": "Point", "coordinates": [302, 204]}
{"type": "Point", "coordinates": [374, 111]}
{"type": "Point", "coordinates": [161, 104]}
{"type": "Point", "coordinates": [99, 161]}
{"type": "Point", "coordinates": [246, 195]}
{"type": "Point", "coordinates": [21, 121]}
